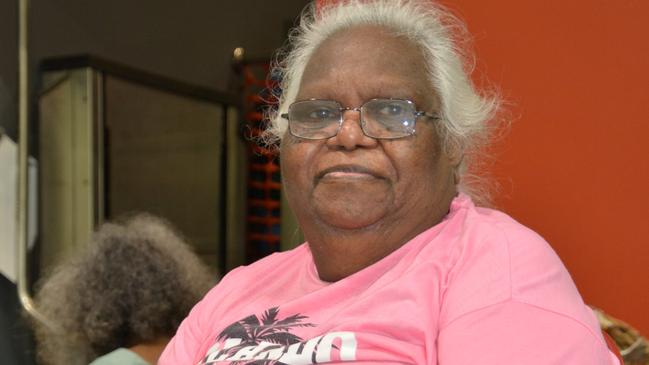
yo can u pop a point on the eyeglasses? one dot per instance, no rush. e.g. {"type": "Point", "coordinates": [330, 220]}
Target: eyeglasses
{"type": "Point", "coordinates": [380, 118]}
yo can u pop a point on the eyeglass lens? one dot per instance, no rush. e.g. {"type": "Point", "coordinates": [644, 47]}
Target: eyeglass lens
{"type": "Point", "coordinates": [314, 119]}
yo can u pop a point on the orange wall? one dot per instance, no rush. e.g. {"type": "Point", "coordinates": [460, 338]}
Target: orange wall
{"type": "Point", "coordinates": [575, 165]}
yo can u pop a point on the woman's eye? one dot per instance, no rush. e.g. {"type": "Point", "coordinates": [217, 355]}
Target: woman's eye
{"type": "Point", "coordinates": [321, 114]}
{"type": "Point", "coordinates": [391, 110]}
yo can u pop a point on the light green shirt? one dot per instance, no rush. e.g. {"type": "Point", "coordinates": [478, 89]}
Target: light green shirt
{"type": "Point", "coordinates": [120, 356]}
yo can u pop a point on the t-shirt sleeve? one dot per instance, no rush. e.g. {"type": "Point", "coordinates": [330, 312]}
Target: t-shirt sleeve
{"type": "Point", "coordinates": [513, 332]}
{"type": "Point", "coordinates": [184, 346]}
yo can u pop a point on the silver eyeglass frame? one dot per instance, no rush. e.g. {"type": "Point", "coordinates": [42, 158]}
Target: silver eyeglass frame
{"type": "Point", "coordinates": [417, 114]}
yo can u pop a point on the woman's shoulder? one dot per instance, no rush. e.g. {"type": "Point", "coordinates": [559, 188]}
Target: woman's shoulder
{"type": "Point", "coordinates": [247, 279]}
{"type": "Point", "coordinates": [508, 284]}
{"type": "Point", "coordinates": [277, 261]}
{"type": "Point", "coordinates": [525, 254]}
{"type": "Point", "coordinates": [508, 261]}
{"type": "Point", "coordinates": [497, 231]}
{"type": "Point", "coordinates": [491, 226]}
{"type": "Point", "coordinates": [528, 255]}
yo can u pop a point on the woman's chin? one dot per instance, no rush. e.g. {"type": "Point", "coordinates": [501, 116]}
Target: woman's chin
{"type": "Point", "coordinates": [353, 216]}
{"type": "Point", "coordinates": [349, 223]}
{"type": "Point", "coordinates": [352, 204]}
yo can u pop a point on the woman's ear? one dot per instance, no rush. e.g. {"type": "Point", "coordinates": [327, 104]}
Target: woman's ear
{"type": "Point", "coordinates": [454, 152]}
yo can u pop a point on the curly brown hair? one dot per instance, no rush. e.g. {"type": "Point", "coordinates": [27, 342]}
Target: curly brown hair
{"type": "Point", "coordinates": [134, 284]}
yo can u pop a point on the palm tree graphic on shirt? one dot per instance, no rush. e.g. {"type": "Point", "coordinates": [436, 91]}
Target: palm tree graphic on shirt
{"type": "Point", "coordinates": [268, 328]}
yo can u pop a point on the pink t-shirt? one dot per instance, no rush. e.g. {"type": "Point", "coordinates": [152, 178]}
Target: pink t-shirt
{"type": "Point", "coordinates": [477, 288]}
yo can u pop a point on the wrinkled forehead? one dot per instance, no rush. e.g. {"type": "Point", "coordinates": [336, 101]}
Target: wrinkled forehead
{"type": "Point", "coordinates": [372, 61]}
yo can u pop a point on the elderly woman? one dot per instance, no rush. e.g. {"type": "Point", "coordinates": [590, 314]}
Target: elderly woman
{"type": "Point", "coordinates": [121, 300]}
{"type": "Point", "coordinates": [378, 124]}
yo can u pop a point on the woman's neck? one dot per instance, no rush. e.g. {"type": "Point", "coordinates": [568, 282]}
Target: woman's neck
{"type": "Point", "coordinates": [338, 253]}
{"type": "Point", "coordinates": [151, 351]}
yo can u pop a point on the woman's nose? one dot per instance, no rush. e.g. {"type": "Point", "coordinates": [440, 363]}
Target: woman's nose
{"type": "Point", "coordinates": [350, 135]}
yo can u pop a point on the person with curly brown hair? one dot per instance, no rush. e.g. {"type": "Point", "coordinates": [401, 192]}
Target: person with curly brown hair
{"type": "Point", "coordinates": [121, 300]}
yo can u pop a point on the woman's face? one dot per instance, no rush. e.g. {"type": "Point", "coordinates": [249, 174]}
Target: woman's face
{"type": "Point", "coordinates": [354, 182]}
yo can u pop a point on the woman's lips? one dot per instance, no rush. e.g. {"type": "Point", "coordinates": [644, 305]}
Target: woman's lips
{"type": "Point", "coordinates": [347, 172]}
{"type": "Point", "coordinates": [348, 175]}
